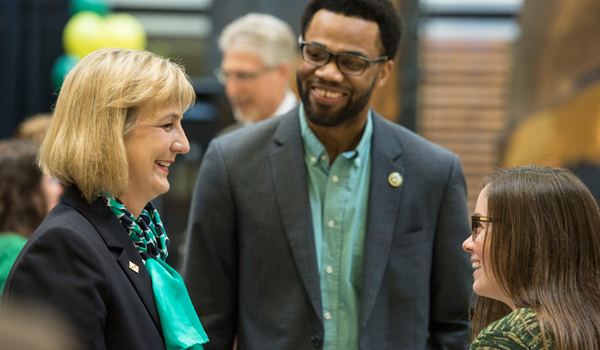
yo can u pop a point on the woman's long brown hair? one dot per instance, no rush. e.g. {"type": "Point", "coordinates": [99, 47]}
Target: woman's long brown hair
{"type": "Point", "coordinates": [545, 253]}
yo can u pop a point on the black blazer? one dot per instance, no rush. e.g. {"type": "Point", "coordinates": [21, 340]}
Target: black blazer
{"type": "Point", "coordinates": [78, 263]}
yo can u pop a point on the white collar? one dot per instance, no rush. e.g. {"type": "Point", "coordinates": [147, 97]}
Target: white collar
{"type": "Point", "coordinates": [289, 102]}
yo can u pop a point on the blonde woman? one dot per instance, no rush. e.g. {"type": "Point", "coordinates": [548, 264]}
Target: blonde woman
{"type": "Point", "coordinates": [98, 258]}
{"type": "Point", "coordinates": [535, 247]}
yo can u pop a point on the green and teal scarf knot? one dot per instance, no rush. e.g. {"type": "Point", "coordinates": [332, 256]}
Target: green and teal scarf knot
{"type": "Point", "coordinates": [180, 324]}
{"type": "Point", "coordinates": [147, 232]}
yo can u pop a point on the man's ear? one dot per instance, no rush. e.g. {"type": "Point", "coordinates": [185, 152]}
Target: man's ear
{"type": "Point", "coordinates": [384, 73]}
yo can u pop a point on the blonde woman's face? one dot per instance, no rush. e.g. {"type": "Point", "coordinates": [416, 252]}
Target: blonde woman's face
{"type": "Point", "coordinates": [484, 283]}
{"type": "Point", "coordinates": [151, 149]}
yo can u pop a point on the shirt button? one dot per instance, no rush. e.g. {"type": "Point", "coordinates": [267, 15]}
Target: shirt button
{"type": "Point", "coordinates": [324, 157]}
{"type": "Point", "coordinates": [331, 223]}
{"type": "Point", "coordinates": [335, 178]}
{"type": "Point", "coordinates": [357, 161]}
{"type": "Point", "coordinates": [329, 269]}
{"type": "Point", "coordinates": [327, 315]}
{"type": "Point", "coordinates": [313, 160]}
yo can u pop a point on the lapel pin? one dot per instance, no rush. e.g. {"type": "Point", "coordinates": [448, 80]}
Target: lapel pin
{"type": "Point", "coordinates": [134, 267]}
{"type": "Point", "coordinates": [395, 179]}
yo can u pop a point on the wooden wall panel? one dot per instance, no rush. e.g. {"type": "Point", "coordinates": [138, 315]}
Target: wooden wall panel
{"type": "Point", "coordinates": [463, 102]}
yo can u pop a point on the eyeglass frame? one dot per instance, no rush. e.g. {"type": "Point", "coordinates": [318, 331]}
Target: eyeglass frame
{"type": "Point", "coordinates": [474, 220]}
{"type": "Point", "coordinates": [335, 55]}
{"type": "Point", "coordinates": [222, 76]}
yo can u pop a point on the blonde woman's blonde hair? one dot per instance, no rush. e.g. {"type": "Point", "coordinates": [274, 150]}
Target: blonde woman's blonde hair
{"type": "Point", "coordinates": [97, 107]}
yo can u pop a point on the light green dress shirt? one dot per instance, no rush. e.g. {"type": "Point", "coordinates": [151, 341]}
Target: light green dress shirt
{"type": "Point", "coordinates": [338, 196]}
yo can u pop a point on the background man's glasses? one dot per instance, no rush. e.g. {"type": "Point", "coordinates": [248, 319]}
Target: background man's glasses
{"type": "Point", "coordinates": [241, 77]}
{"type": "Point", "coordinates": [347, 63]}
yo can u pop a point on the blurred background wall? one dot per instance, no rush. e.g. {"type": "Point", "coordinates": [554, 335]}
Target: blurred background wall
{"type": "Point", "coordinates": [556, 90]}
{"type": "Point", "coordinates": [499, 82]}
{"type": "Point", "coordinates": [30, 41]}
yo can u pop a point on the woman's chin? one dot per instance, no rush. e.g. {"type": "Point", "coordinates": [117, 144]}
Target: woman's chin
{"type": "Point", "coordinates": [478, 289]}
{"type": "Point", "coordinates": [163, 190]}
{"type": "Point", "coordinates": [161, 186]}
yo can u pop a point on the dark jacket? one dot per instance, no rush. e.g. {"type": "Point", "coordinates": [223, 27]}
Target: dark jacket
{"type": "Point", "coordinates": [80, 262]}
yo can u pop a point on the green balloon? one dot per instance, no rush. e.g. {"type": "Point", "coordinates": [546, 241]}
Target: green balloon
{"type": "Point", "coordinates": [99, 6]}
{"type": "Point", "coordinates": [60, 68]}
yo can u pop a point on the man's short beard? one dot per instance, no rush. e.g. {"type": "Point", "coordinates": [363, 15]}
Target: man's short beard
{"type": "Point", "coordinates": [238, 116]}
{"type": "Point", "coordinates": [324, 117]}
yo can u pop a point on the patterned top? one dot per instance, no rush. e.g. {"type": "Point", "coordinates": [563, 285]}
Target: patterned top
{"type": "Point", "coordinates": [516, 331]}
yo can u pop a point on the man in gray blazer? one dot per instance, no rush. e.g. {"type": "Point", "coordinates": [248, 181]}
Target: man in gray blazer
{"type": "Point", "coordinates": [330, 227]}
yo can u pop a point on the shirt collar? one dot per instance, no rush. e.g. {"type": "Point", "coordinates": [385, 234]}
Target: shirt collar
{"type": "Point", "coordinates": [288, 102]}
{"type": "Point", "coordinates": [315, 151]}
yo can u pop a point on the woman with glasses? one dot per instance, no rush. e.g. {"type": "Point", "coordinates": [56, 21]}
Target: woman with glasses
{"type": "Point", "coordinates": [535, 248]}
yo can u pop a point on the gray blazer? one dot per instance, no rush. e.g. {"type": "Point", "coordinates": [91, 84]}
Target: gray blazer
{"type": "Point", "coordinates": [251, 266]}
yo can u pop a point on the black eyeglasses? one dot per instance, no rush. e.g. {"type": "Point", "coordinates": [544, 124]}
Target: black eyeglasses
{"type": "Point", "coordinates": [242, 77]}
{"type": "Point", "coordinates": [475, 224]}
{"type": "Point", "coordinates": [347, 63]}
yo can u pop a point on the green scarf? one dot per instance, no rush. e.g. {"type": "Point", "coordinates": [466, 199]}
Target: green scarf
{"type": "Point", "coordinates": [180, 324]}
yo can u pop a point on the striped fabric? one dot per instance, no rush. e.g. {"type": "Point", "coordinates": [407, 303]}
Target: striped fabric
{"type": "Point", "coordinates": [518, 330]}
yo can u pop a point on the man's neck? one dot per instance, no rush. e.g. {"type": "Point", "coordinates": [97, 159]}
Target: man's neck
{"type": "Point", "coordinates": [341, 138]}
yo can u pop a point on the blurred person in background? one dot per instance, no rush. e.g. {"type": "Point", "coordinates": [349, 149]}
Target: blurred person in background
{"type": "Point", "coordinates": [259, 55]}
{"type": "Point", "coordinates": [34, 129]}
{"type": "Point", "coordinates": [23, 203]}
{"type": "Point", "coordinates": [535, 247]}
{"type": "Point", "coordinates": [98, 257]}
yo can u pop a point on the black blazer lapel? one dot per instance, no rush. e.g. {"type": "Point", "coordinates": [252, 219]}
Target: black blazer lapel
{"type": "Point", "coordinates": [119, 243]}
{"type": "Point", "coordinates": [291, 190]}
{"type": "Point", "coordinates": [384, 200]}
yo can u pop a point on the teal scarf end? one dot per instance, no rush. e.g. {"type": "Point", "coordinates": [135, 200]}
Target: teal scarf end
{"type": "Point", "coordinates": [181, 327]}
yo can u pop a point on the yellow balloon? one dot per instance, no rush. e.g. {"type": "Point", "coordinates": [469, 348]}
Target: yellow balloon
{"type": "Point", "coordinates": [125, 31]}
{"type": "Point", "coordinates": [84, 33]}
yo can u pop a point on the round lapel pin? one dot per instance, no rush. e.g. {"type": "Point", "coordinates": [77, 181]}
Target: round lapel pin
{"type": "Point", "coordinates": [395, 179]}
